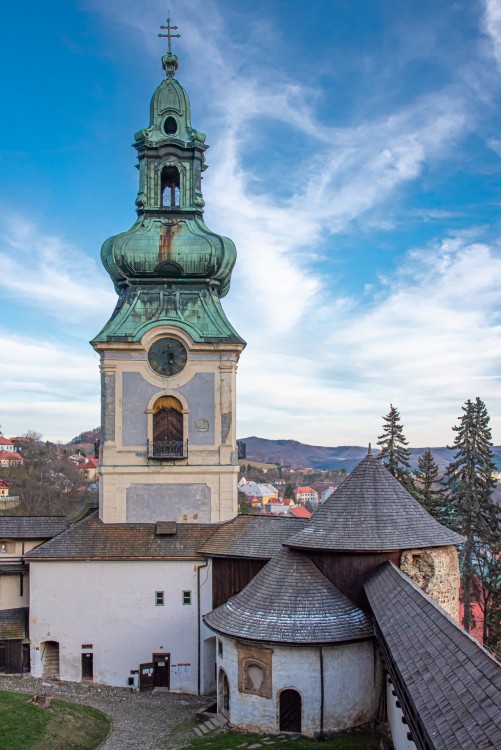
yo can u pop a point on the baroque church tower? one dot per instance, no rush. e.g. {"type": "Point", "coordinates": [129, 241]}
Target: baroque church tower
{"type": "Point", "coordinates": [168, 353]}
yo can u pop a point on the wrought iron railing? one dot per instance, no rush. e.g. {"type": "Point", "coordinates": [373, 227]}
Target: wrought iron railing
{"type": "Point", "coordinates": [242, 449]}
{"type": "Point", "coordinates": [167, 448]}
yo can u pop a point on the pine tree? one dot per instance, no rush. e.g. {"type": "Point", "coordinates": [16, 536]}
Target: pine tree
{"type": "Point", "coordinates": [428, 489]}
{"type": "Point", "coordinates": [469, 477]}
{"type": "Point", "coordinates": [394, 453]}
{"type": "Point", "coordinates": [289, 493]}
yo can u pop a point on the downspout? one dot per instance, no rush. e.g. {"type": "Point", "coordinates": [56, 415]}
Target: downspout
{"type": "Point", "coordinates": [199, 610]}
{"type": "Point", "coordinates": [321, 735]}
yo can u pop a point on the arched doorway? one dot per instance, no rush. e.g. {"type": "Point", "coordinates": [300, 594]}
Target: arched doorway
{"type": "Point", "coordinates": [223, 694]}
{"type": "Point", "coordinates": [50, 659]}
{"type": "Point", "coordinates": [168, 437]}
{"type": "Point", "coordinates": [290, 711]}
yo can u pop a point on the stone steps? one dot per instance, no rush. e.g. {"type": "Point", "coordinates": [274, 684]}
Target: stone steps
{"type": "Point", "coordinates": [218, 722]}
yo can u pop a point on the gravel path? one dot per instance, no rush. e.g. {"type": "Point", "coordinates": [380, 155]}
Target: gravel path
{"type": "Point", "coordinates": [141, 721]}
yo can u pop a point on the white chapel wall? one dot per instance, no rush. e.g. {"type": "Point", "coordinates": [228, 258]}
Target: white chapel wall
{"type": "Point", "coordinates": [351, 679]}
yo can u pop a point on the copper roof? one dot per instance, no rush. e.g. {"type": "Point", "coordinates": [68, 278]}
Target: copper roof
{"type": "Point", "coordinates": [290, 601]}
{"type": "Point", "coordinates": [371, 510]}
{"type": "Point", "coordinates": [260, 537]}
{"type": "Point", "coordinates": [31, 527]}
{"type": "Point", "coordinates": [449, 680]}
{"type": "Point", "coordinates": [91, 539]}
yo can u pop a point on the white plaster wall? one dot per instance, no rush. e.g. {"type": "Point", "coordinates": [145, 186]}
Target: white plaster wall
{"type": "Point", "coordinates": [111, 605]}
{"type": "Point", "coordinates": [398, 729]}
{"type": "Point", "coordinates": [350, 685]}
{"type": "Point", "coordinates": [9, 592]}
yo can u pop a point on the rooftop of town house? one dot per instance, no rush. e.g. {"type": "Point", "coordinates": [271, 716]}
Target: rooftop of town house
{"type": "Point", "coordinates": [13, 623]}
{"type": "Point", "coordinates": [91, 539]}
{"type": "Point", "coordinates": [31, 527]}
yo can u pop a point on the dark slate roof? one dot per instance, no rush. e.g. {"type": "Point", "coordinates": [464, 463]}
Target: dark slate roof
{"type": "Point", "coordinates": [13, 623]}
{"type": "Point", "coordinates": [11, 567]}
{"type": "Point", "coordinates": [454, 684]}
{"type": "Point", "coordinates": [31, 527]}
{"type": "Point", "coordinates": [91, 539]}
{"type": "Point", "coordinates": [371, 510]}
{"type": "Point", "coordinates": [290, 601]}
{"type": "Point", "coordinates": [252, 536]}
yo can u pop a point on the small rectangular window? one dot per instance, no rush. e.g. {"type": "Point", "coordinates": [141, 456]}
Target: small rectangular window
{"type": "Point", "coordinates": [220, 648]}
{"type": "Point", "coordinates": [159, 598]}
{"type": "Point", "coordinates": [186, 597]}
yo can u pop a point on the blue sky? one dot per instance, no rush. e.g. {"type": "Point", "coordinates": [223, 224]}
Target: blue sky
{"type": "Point", "coordinates": [355, 159]}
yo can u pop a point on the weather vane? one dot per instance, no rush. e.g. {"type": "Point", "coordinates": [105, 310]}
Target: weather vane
{"type": "Point", "coordinates": [169, 34]}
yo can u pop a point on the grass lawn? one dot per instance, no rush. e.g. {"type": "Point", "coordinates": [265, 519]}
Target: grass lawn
{"type": "Point", "coordinates": [64, 726]}
{"type": "Point", "coordinates": [355, 739]}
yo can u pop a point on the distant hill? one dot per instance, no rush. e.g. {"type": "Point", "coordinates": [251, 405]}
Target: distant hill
{"type": "Point", "coordinates": [301, 456]}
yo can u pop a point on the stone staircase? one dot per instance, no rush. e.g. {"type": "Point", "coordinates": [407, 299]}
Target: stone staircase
{"type": "Point", "coordinates": [217, 723]}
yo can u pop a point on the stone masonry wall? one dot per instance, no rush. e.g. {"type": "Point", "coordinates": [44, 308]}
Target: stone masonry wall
{"type": "Point", "coordinates": [436, 571]}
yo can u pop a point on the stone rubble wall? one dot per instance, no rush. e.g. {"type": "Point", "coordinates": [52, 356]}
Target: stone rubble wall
{"type": "Point", "coordinates": [436, 572]}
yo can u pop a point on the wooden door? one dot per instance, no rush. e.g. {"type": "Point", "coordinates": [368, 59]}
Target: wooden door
{"type": "Point", "coordinates": [146, 676]}
{"type": "Point", "coordinates": [290, 711]}
{"type": "Point", "coordinates": [167, 425]}
{"type": "Point", "coordinates": [88, 666]}
{"type": "Point", "coordinates": [161, 672]}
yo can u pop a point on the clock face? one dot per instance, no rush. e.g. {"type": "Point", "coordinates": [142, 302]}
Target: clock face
{"type": "Point", "coordinates": [167, 356]}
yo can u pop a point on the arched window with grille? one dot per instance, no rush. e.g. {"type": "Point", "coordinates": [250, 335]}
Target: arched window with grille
{"type": "Point", "coordinates": [168, 429]}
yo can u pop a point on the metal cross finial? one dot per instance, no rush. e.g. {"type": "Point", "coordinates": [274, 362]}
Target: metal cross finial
{"type": "Point", "coordinates": [169, 35]}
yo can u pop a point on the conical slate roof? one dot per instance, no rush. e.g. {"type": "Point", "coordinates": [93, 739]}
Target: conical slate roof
{"type": "Point", "coordinates": [290, 601]}
{"type": "Point", "coordinates": [371, 510]}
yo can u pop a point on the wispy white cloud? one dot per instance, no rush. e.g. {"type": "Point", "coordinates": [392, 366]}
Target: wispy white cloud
{"type": "Point", "coordinates": [492, 24]}
{"type": "Point", "coordinates": [47, 273]}
{"type": "Point", "coordinates": [50, 387]}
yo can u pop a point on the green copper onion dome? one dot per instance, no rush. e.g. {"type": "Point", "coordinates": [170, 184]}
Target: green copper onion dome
{"type": "Point", "coordinates": [169, 248]}
{"type": "Point", "coordinates": [169, 239]}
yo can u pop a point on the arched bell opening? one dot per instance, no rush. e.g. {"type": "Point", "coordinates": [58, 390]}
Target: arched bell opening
{"type": "Point", "coordinates": [168, 429]}
{"type": "Point", "coordinates": [170, 187]}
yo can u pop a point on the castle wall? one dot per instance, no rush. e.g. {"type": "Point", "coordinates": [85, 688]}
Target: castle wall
{"type": "Point", "coordinates": [397, 727]}
{"type": "Point", "coordinates": [351, 680]}
{"type": "Point", "coordinates": [111, 605]}
{"type": "Point", "coordinates": [436, 572]}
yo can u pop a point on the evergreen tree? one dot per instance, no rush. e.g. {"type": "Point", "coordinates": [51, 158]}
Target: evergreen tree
{"type": "Point", "coordinates": [469, 477]}
{"type": "Point", "coordinates": [394, 453]}
{"type": "Point", "coordinates": [488, 593]}
{"type": "Point", "coordinates": [428, 489]}
{"type": "Point", "coordinates": [289, 493]}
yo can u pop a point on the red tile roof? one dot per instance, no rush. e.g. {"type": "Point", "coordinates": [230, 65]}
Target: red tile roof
{"type": "Point", "coordinates": [4, 484]}
{"type": "Point", "coordinates": [300, 512]}
{"type": "Point", "coordinates": [304, 489]}
{"type": "Point", "coordinates": [4, 441]}
{"type": "Point", "coordinates": [11, 456]}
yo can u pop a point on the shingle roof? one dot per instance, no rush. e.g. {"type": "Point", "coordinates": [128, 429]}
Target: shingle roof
{"type": "Point", "coordinates": [13, 623]}
{"type": "Point", "coordinates": [91, 539]}
{"type": "Point", "coordinates": [31, 527]}
{"type": "Point", "coordinates": [454, 684]}
{"type": "Point", "coordinates": [290, 601]}
{"type": "Point", "coordinates": [260, 537]}
{"type": "Point", "coordinates": [371, 510]}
